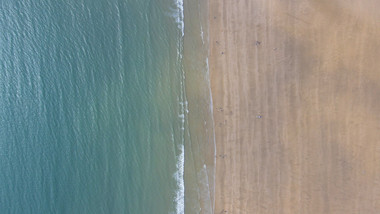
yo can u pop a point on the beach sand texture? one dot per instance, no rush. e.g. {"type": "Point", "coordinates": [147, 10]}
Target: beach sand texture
{"type": "Point", "coordinates": [296, 96]}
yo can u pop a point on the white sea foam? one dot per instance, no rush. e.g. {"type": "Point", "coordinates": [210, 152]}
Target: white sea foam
{"type": "Point", "coordinates": [177, 13]}
{"type": "Point", "coordinates": [203, 41]}
{"type": "Point", "coordinates": [180, 194]}
{"type": "Point", "coordinates": [205, 191]}
{"type": "Point", "coordinates": [180, 17]}
{"type": "Point", "coordinates": [213, 128]}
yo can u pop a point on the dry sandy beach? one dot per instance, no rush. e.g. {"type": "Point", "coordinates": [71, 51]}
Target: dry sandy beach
{"type": "Point", "coordinates": [296, 93]}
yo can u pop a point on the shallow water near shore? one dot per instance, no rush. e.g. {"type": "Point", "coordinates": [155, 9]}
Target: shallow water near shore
{"type": "Point", "coordinates": [105, 107]}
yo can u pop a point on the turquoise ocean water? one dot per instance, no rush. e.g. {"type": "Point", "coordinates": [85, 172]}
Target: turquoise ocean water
{"type": "Point", "coordinates": [105, 107]}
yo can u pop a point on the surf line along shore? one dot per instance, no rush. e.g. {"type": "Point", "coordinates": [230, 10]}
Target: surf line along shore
{"type": "Point", "coordinates": [295, 88]}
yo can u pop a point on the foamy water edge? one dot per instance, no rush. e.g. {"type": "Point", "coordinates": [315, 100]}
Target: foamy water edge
{"type": "Point", "coordinates": [179, 174]}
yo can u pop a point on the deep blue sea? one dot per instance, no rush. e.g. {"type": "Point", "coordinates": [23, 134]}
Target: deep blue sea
{"type": "Point", "coordinates": [105, 107]}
